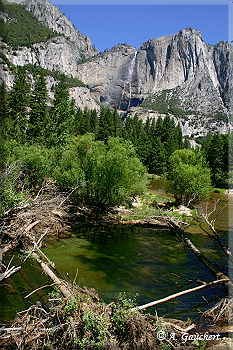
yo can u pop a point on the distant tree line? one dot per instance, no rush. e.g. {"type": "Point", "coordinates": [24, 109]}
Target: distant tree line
{"type": "Point", "coordinates": [37, 131]}
{"type": "Point", "coordinates": [27, 117]}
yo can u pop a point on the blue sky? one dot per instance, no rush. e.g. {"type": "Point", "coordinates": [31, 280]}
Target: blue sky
{"type": "Point", "coordinates": [108, 25]}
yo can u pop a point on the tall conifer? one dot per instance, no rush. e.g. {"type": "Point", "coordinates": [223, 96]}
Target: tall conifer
{"type": "Point", "coordinates": [19, 104]}
{"type": "Point", "coordinates": [38, 113]}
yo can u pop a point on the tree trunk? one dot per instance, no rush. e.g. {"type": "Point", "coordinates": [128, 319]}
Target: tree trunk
{"type": "Point", "coordinates": [202, 258]}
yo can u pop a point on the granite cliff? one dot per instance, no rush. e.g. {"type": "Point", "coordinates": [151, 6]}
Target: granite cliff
{"type": "Point", "coordinates": [179, 75]}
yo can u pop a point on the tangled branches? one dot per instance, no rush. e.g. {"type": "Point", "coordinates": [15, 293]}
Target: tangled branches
{"type": "Point", "coordinates": [82, 323]}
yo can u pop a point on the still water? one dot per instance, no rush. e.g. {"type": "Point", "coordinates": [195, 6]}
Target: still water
{"type": "Point", "coordinates": [113, 259]}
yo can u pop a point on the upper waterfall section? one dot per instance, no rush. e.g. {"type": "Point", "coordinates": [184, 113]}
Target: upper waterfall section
{"type": "Point", "coordinates": [183, 63]}
{"type": "Point", "coordinates": [111, 75]}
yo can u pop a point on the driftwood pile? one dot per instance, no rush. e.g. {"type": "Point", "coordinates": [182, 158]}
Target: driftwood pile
{"type": "Point", "coordinates": [81, 322]}
{"type": "Point", "coordinates": [25, 227]}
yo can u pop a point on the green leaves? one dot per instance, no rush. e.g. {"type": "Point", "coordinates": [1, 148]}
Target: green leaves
{"type": "Point", "coordinates": [190, 176]}
{"type": "Point", "coordinates": [106, 174]}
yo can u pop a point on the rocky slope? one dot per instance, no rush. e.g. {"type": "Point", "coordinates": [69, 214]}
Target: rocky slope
{"type": "Point", "coordinates": [60, 53]}
{"type": "Point", "coordinates": [179, 75]}
{"type": "Point", "coordinates": [53, 18]}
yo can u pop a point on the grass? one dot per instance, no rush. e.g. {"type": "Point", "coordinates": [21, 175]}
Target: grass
{"type": "Point", "coordinates": [219, 190]}
{"type": "Point", "coordinates": [152, 205]}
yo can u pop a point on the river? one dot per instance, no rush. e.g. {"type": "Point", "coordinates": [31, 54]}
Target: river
{"type": "Point", "coordinates": [113, 259]}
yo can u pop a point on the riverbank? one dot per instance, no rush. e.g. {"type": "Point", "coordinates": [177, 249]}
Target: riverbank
{"type": "Point", "coordinates": [55, 216]}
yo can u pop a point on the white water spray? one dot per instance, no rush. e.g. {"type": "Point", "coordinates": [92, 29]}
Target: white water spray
{"type": "Point", "coordinates": [128, 82]}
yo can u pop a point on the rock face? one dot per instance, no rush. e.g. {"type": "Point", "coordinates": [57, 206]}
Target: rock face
{"type": "Point", "coordinates": [178, 61]}
{"type": "Point", "coordinates": [196, 79]}
{"type": "Point", "coordinates": [178, 75]}
{"type": "Point", "coordinates": [109, 74]}
{"type": "Point", "coordinates": [53, 18]}
{"type": "Point", "coordinates": [55, 54]}
{"type": "Point", "coordinates": [222, 54]}
{"type": "Point", "coordinates": [182, 61]}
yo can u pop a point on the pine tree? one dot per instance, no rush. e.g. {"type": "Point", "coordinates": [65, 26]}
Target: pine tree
{"type": "Point", "coordinates": [3, 117]}
{"type": "Point", "coordinates": [39, 110]}
{"type": "Point", "coordinates": [62, 117]}
{"type": "Point", "coordinates": [179, 136]}
{"type": "Point", "coordinates": [94, 122]}
{"type": "Point", "coordinates": [158, 159]}
{"type": "Point", "coordinates": [186, 143]}
{"type": "Point", "coordinates": [159, 127]}
{"type": "Point", "coordinates": [61, 92]}
{"type": "Point", "coordinates": [78, 122]}
{"type": "Point", "coordinates": [216, 150]}
{"type": "Point", "coordinates": [19, 105]}
{"type": "Point", "coordinates": [86, 121]}
{"type": "Point", "coordinates": [117, 123]}
{"type": "Point", "coordinates": [61, 124]}
{"type": "Point", "coordinates": [3, 102]}
{"type": "Point", "coordinates": [106, 125]}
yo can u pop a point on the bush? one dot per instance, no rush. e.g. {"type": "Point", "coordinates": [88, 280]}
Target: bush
{"type": "Point", "coordinates": [106, 174]}
{"type": "Point", "coordinates": [37, 162]}
{"type": "Point", "coordinates": [11, 186]}
{"type": "Point", "coordinates": [190, 176]}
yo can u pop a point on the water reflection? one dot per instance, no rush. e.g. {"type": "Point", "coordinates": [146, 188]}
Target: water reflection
{"type": "Point", "coordinates": [112, 259]}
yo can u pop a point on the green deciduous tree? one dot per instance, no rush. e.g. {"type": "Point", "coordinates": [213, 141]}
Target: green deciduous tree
{"type": "Point", "coordinates": [189, 175]}
{"type": "Point", "coordinates": [105, 174]}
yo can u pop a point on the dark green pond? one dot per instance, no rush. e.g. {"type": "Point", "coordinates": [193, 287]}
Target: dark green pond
{"type": "Point", "coordinates": [114, 259]}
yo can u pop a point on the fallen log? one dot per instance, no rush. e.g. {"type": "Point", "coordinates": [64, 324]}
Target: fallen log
{"type": "Point", "coordinates": [206, 214]}
{"type": "Point", "coordinates": [202, 258]}
{"type": "Point", "coordinates": [156, 302]}
{"type": "Point", "coordinates": [66, 292]}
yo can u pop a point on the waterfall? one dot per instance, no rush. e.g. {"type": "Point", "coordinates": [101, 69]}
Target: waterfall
{"type": "Point", "coordinates": [127, 83]}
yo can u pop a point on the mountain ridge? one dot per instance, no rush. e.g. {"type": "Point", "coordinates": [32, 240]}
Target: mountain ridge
{"type": "Point", "coordinates": [194, 78]}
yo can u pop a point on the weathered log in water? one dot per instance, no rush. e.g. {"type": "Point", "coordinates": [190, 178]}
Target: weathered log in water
{"type": "Point", "coordinates": [205, 214]}
{"type": "Point", "coordinates": [202, 258]}
{"type": "Point", "coordinates": [176, 295]}
{"type": "Point", "coordinates": [66, 292]}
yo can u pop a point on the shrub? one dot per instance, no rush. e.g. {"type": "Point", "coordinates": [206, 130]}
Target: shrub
{"type": "Point", "coordinates": [107, 174]}
{"type": "Point", "coordinates": [11, 186]}
{"type": "Point", "coordinates": [37, 162]}
{"type": "Point", "coordinates": [189, 175]}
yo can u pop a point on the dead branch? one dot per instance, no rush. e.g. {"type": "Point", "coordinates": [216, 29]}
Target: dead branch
{"type": "Point", "coordinates": [9, 272]}
{"type": "Point", "coordinates": [205, 215]}
{"type": "Point", "coordinates": [36, 290]}
{"type": "Point", "coordinates": [202, 258]}
{"type": "Point", "coordinates": [142, 307]}
{"type": "Point", "coordinates": [29, 227]}
{"type": "Point", "coordinates": [61, 284]}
